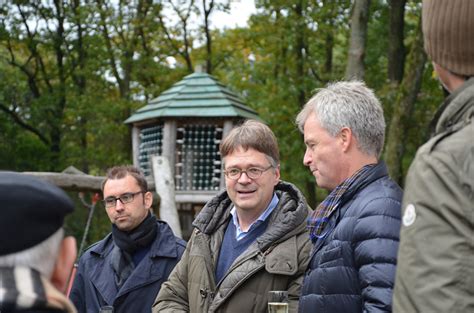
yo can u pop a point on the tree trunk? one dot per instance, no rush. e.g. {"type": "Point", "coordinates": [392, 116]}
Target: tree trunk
{"type": "Point", "coordinates": [359, 20]}
{"type": "Point", "coordinates": [300, 47]}
{"type": "Point", "coordinates": [329, 52]}
{"type": "Point", "coordinates": [164, 184]}
{"type": "Point", "coordinates": [207, 13]}
{"type": "Point", "coordinates": [58, 42]}
{"type": "Point", "coordinates": [403, 108]}
{"type": "Point", "coordinates": [396, 49]}
{"type": "Point", "coordinates": [81, 82]}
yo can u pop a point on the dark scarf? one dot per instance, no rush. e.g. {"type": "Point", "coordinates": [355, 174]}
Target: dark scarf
{"type": "Point", "coordinates": [126, 243]}
{"type": "Point", "coordinates": [320, 217]}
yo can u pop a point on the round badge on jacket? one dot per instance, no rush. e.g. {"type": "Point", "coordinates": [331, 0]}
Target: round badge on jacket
{"type": "Point", "coordinates": [410, 215]}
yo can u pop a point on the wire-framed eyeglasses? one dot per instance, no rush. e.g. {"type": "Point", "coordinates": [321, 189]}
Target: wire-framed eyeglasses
{"type": "Point", "coordinates": [234, 173]}
{"type": "Point", "coordinates": [128, 197]}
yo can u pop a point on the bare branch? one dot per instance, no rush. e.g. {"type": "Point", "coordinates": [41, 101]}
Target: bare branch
{"type": "Point", "coordinates": [24, 124]}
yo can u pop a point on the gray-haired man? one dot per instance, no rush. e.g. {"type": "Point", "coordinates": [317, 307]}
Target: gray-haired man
{"type": "Point", "coordinates": [355, 229]}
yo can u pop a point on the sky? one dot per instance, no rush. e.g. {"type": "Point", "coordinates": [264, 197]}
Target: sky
{"type": "Point", "coordinates": [239, 14]}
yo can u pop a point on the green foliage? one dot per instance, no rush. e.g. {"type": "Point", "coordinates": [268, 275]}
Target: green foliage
{"type": "Point", "coordinates": [75, 88]}
{"type": "Point", "coordinates": [75, 223]}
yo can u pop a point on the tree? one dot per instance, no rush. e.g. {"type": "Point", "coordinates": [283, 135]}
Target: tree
{"type": "Point", "coordinates": [359, 20]}
{"type": "Point", "coordinates": [38, 53]}
{"type": "Point", "coordinates": [396, 48]}
{"type": "Point", "coordinates": [404, 106]}
{"type": "Point", "coordinates": [276, 64]}
{"type": "Point", "coordinates": [178, 34]}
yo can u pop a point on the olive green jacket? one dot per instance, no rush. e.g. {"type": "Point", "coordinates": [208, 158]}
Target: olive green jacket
{"type": "Point", "coordinates": [435, 270]}
{"type": "Point", "coordinates": [277, 260]}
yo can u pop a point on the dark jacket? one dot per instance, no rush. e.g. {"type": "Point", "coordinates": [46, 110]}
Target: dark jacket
{"type": "Point", "coordinates": [436, 265]}
{"type": "Point", "coordinates": [94, 284]}
{"type": "Point", "coordinates": [275, 261]}
{"type": "Point", "coordinates": [352, 269]}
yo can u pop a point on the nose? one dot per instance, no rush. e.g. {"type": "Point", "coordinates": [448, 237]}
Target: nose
{"type": "Point", "coordinates": [244, 179]}
{"type": "Point", "coordinates": [307, 158]}
{"type": "Point", "coordinates": [119, 205]}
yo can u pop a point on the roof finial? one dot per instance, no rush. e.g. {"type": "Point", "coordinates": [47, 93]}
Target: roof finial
{"type": "Point", "coordinates": [200, 68]}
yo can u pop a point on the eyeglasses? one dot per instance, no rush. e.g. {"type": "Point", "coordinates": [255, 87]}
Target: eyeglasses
{"type": "Point", "coordinates": [252, 172]}
{"type": "Point", "coordinates": [110, 202]}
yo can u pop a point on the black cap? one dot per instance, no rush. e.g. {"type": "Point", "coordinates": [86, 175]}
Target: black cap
{"type": "Point", "coordinates": [31, 210]}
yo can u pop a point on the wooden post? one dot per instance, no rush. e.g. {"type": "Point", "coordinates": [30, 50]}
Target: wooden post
{"type": "Point", "coordinates": [164, 186]}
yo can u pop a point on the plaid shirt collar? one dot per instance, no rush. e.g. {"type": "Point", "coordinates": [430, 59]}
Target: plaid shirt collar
{"type": "Point", "coordinates": [320, 217]}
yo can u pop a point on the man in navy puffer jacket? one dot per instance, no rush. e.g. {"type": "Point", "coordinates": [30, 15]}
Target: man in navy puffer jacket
{"type": "Point", "coordinates": [355, 230]}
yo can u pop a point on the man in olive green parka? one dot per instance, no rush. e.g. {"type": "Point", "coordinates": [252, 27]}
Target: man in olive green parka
{"type": "Point", "coordinates": [249, 239]}
{"type": "Point", "coordinates": [435, 270]}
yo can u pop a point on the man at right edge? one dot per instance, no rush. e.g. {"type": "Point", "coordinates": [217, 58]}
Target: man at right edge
{"type": "Point", "coordinates": [435, 270]}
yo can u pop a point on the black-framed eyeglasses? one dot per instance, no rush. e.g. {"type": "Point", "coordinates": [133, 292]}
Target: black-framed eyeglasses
{"type": "Point", "coordinates": [234, 173]}
{"type": "Point", "coordinates": [128, 197]}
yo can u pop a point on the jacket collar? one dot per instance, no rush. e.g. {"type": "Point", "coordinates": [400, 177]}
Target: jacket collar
{"type": "Point", "coordinates": [148, 270]}
{"type": "Point", "coordinates": [288, 217]}
{"type": "Point", "coordinates": [456, 107]}
{"type": "Point", "coordinates": [164, 247]}
{"type": "Point", "coordinates": [376, 172]}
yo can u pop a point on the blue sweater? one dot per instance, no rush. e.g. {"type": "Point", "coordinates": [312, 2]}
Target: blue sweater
{"type": "Point", "coordinates": [231, 248]}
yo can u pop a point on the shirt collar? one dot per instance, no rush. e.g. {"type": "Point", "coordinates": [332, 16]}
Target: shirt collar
{"type": "Point", "coordinates": [235, 219]}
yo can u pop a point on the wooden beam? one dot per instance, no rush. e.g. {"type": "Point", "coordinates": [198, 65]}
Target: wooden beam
{"type": "Point", "coordinates": [76, 182]}
{"type": "Point", "coordinates": [71, 182]}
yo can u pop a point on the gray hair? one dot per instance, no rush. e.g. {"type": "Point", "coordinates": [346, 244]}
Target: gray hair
{"type": "Point", "coordinates": [41, 257]}
{"type": "Point", "coordinates": [348, 104]}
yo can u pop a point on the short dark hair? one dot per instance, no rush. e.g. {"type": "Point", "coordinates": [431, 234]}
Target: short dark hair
{"type": "Point", "coordinates": [252, 134]}
{"type": "Point", "coordinates": [121, 171]}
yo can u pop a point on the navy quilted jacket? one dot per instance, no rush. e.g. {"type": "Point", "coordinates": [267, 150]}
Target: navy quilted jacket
{"type": "Point", "coordinates": [353, 268]}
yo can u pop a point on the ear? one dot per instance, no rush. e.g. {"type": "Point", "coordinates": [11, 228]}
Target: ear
{"type": "Point", "coordinates": [148, 198]}
{"type": "Point", "coordinates": [277, 175]}
{"type": "Point", "coordinates": [346, 138]}
{"type": "Point", "coordinates": [64, 263]}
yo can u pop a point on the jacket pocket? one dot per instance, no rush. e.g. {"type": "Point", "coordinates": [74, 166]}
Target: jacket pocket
{"type": "Point", "coordinates": [329, 257]}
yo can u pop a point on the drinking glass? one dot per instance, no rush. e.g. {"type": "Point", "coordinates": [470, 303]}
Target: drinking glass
{"type": "Point", "coordinates": [277, 301]}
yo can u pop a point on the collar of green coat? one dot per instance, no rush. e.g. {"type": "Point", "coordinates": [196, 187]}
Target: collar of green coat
{"type": "Point", "coordinates": [457, 108]}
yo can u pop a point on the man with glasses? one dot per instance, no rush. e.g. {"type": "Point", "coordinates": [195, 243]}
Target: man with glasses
{"type": "Point", "coordinates": [355, 229]}
{"type": "Point", "coordinates": [125, 270]}
{"type": "Point", "coordinates": [249, 239]}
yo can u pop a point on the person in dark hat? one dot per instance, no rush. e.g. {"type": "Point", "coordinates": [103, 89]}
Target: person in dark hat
{"type": "Point", "coordinates": [35, 258]}
{"type": "Point", "coordinates": [125, 270]}
{"type": "Point", "coordinates": [435, 261]}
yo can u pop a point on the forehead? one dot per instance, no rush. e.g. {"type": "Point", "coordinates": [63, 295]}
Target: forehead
{"type": "Point", "coordinates": [245, 158]}
{"type": "Point", "coordinates": [120, 185]}
{"type": "Point", "coordinates": [312, 129]}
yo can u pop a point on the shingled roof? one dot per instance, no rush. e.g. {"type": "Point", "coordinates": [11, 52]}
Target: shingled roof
{"type": "Point", "coordinates": [196, 95]}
